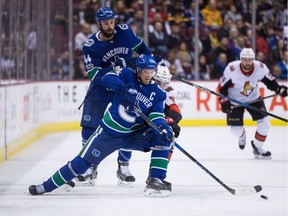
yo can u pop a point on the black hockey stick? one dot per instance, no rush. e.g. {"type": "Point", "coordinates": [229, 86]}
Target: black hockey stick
{"type": "Point", "coordinates": [241, 191]}
{"type": "Point", "coordinates": [254, 101]}
{"type": "Point", "coordinates": [229, 98]}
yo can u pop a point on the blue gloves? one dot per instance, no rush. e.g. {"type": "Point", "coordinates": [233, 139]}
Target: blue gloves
{"type": "Point", "coordinates": [128, 96]}
{"type": "Point", "coordinates": [118, 64]}
{"type": "Point", "coordinates": [164, 140]}
{"type": "Point", "coordinates": [159, 60]}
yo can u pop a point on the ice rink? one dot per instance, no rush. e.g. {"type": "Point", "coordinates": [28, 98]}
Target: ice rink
{"type": "Point", "coordinates": [194, 192]}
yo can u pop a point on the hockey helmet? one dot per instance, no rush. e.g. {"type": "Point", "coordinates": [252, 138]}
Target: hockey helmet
{"type": "Point", "coordinates": [247, 53]}
{"type": "Point", "coordinates": [146, 62]}
{"type": "Point", "coordinates": [105, 13]}
{"type": "Point", "coordinates": [163, 74]}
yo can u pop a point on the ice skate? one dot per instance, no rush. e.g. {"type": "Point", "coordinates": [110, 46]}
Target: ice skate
{"type": "Point", "coordinates": [242, 142]}
{"type": "Point", "coordinates": [125, 178]}
{"type": "Point", "coordinates": [88, 178]}
{"type": "Point", "coordinates": [157, 188]}
{"type": "Point", "coordinates": [37, 189]}
{"type": "Point", "coordinates": [260, 153]}
{"type": "Point", "coordinates": [68, 186]}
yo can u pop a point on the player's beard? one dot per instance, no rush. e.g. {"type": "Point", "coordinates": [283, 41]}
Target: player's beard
{"type": "Point", "coordinates": [247, 67]}
{"type": "Point", "coordinates": [108, 33]}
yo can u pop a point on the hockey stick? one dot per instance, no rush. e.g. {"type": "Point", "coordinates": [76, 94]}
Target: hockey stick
{"type": "Point", "coordinates": [241, 191]}
{"type": "Point", "coordinates": [229, 98]}
{"type": "Point", "coordinates": [254, 101]}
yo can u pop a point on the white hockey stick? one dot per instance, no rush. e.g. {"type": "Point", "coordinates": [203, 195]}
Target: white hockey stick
{"type": "Point", "coordinates": [241, 191]}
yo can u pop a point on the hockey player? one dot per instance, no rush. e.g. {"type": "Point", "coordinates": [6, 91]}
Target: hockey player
{"type": "Point", "coordinates": [112, 44]}
{"type": "Point", "coordinates": [239, 82]}
{"type": "Point", "coordinates": [172, 117]}
{"type": "Point", "coordinates": [121, 127]}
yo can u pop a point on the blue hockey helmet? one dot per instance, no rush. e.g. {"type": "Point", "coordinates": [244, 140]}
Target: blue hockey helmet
{"type": "Point", "coordinates": [105, 13]}
{"type": "Point", "coordinates": [146, 62]}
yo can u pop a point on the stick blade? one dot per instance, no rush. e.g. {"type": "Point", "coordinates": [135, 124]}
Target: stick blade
{"type": "Point", "coordinates": [246, 191]}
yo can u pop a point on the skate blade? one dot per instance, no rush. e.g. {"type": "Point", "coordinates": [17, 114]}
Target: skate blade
{"type": "Point", "coordinates": [155, 193]}
{"type": "Point", "coordinates": [87, 183]}
{"type": "Point", "coordinates": [260, 157]}
{"type": "Point", "coordinates": [125, 184]}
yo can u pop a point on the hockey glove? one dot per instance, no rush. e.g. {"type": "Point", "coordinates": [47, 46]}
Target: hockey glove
{"type": "Point", "coordinates": [165, 139]}
{"type": "Point", "coordinates": [118, 64]}
{"type": "Point", "coordinates": [282, 91]}
{"type": "Point", "coordinates": [225, 105]}
{"type": "Point", "coordinates": [128, 96]}
{"type": "Point", "coordinates": [159, 60]}
{"type": "Point", "coordinates": [176, 129]}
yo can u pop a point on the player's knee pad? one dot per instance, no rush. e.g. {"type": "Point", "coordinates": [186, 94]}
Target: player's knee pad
{"type": "Point", "coordinates": [79, 165]}
{"type": "Point", "coordinates": [237, 130]}
{"type": "Point", "coordinates": [263, 126]}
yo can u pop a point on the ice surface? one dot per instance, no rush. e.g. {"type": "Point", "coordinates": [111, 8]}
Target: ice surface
{"type": "Point", "coordinates": [194, 192]}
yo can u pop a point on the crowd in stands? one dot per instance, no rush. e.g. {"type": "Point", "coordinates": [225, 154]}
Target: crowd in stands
{"type": "Point", "coordinates": [225, 27]}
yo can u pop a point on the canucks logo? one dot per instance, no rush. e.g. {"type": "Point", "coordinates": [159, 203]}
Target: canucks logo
{"type": "Point", "coordinates": [96, 152]}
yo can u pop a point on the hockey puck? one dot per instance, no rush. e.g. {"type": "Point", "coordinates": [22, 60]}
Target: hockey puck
{"type": "Point", "coordinates": [264, 197]}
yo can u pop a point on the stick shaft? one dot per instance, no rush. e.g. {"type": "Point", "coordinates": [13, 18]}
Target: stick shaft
{"type": "Point", "coordinates": [254, 101]}
{"type": "Point", "coordinates": [231, 99]}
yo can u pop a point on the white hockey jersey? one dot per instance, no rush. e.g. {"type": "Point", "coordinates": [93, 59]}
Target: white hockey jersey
{"type": "Point", "coordinates": [243, 86]}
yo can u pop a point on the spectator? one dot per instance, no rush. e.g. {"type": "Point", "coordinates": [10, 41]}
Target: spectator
{"type": "Point", "coordinates": [233, 35]}
{"type": "Point", "coordinates": [277, 54]}
{"type": "Point", "coordinates": [158, 17]}
{"type": "Point", "coordinates": [271, 38]}
{"type": "Point", "coordinates": [82, 36]}
{"type": "Point", "coordinates": [56, 70]}
{"type": "Point", "coordinates": [224, 48]}
{"type": "Point", "coordinates": [173, 60]}
{"type": "Point", "coordinates": [219, 66]}
{"type": "Point", "coordinates": [260, 56]}
{"type": "Point", "coordinates": [7, 64]}
{"type": "Point", "coordinates": [284, 66]}
{"type": "Point", "coordinates": [211, 15]}
{"type": "Point", "coordinates": [276, 71]}
{"type": "Point", "coordinates": [89, 14]}
{"type": "Point", "coordinates": [261, 44]}
{"type": "Point", "coordinates": [158, 40]}
{"type": "Point", "coordinates": [123, 15]}
{"type": "Point", "coordinates": [242, 28]}
{"type": "Point", "coordinates": [191, 16]}
{"type": "Point", "coordinates": [185, 58]}
{"type": "Point", "coordinates": [213, 37]}
{"type": "Point", "coordinates": [204, 69]}
{"type": "Point", "coordinates": [175, 39]}
{"type": "Point", "coordinates": [64, 64]}
{"type": "Point", "coordinates": [238, 46]}
{"type": "Point", "coordinates": [224, 31]}
{"type": "Point", "coordinates": [138, 21]}
{"type": "Point", "coordinates": [277, 15]}
{"type": "Point", "coordinates": [232, 14]}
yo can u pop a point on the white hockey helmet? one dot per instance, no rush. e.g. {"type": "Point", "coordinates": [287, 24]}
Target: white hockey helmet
{"type": "Point", "coordinates": [163, 74]}
{"type": "Point", "coordinates": [247, 53]}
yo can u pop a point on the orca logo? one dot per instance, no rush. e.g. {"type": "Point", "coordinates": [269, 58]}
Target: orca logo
{"type": "Point", "coordinates": [95, 152]}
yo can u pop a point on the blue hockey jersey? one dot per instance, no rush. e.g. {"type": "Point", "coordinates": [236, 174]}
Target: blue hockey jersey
{"type": "Point", "coordinates": [150, 99]}
{"type": "Point", "coordinates": [98, 56]}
